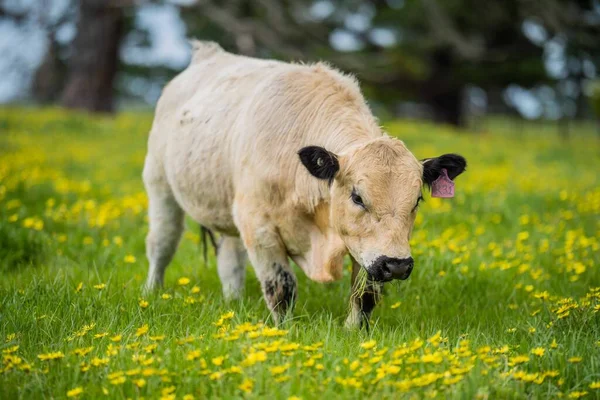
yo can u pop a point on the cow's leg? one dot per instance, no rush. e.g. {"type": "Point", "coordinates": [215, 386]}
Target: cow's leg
{"type": "Point", "coordinates": [231, 264]}
{"type": "Point", "coordinates": [166, 220]}
{"type": "Point", "coordinates": [362, 299]}
{"type": "Point", "coordinates": [269, 259]}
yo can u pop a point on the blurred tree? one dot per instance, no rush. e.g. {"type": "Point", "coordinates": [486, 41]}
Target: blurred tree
{"type": "Point", "coordinates": [94, 61]}
{"type": "Point", "coordinates": [435, 48]}
{"type": "Point", "coordinates": [426, 51]}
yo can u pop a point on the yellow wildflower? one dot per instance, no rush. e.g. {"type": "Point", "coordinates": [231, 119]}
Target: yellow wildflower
{"type": "Point", "coordinates": [140, 382]}
{"type": "Point", "coordinates": [218, 361]}
{"type": "Point", "coordinates": [576, 395]}
{"type": "Point", "coordinates": [142, 330]}
{"type": "Point", "coordinates": [278, 370]}
{"type": "Point", "coordinates": [75, 392]}
{"type": "Point", "coordinates": [183, 281]}
{"type": "Point", "coordinates": [538, 351]}
{"type": "Point", "coordinates": [368, 345]}
{"type": "Point", "coordinates": [51, 356]}
{"type": "Point", "coordinates": [246, 386]}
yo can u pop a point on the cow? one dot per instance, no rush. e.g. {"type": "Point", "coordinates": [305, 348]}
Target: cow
{"type": "Point", "coordinates": [285, 161]}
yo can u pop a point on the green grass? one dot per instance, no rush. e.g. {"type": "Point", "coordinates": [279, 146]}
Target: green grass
{"type": "Point", "coordinates": [508, 266]}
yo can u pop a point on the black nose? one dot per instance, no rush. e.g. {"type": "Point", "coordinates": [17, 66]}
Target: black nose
{"type": "Point", "coordinates": [386, 268]}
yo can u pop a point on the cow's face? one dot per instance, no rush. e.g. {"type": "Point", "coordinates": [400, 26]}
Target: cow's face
{"type": "Point", "coordinates": [375, 192]}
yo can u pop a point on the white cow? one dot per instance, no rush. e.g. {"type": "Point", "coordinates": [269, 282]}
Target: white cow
{"type": "Point", "coordinates": [285, 161]}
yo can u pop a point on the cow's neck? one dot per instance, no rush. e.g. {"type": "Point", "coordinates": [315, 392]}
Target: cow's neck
{"type": "Point", "coordinates": [323, 260]}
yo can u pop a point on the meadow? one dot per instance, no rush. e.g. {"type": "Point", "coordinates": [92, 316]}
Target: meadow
{"type": "Point", "coordinates": [503, 302]}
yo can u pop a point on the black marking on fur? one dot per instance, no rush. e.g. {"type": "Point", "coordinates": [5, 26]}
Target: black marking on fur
{"type": "Point", "coordinates": [432, 167]}
{"type": "Point", "coordinates": [368, 301]}
{"type": "Point", "coordinates": [319, 162]}
{"type": "Point", "coordinates": [281, 289]}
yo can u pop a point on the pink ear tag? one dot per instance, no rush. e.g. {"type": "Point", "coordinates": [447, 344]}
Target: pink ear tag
{"type": "Point", "coordinates": [443, 186]}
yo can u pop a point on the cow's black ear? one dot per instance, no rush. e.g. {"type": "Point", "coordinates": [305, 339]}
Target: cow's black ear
{"type": "Point", "coordinates": [319, 162]}
{"type": "Point", "coordinates": [452, 163]}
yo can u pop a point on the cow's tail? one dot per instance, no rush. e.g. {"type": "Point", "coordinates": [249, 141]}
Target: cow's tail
{"type": "Point", "coordinates": [201, 50]}
{"type": "Point", "coordinates": [207, 235]}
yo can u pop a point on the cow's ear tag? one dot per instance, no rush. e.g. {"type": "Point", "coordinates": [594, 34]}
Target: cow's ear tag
{"type": "Point", "coordinates": [443, 186]}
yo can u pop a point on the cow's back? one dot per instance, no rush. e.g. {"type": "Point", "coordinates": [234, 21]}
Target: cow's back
{"type": "Point", "coordinates": [230, 123]}
{"type": "Point", "coordinates": [195, 126]}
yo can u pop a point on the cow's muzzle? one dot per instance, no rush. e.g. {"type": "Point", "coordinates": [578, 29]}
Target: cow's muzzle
{"type": "Point", "coordinates": [385, 269]}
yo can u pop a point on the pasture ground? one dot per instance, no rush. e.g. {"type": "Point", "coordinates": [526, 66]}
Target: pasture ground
{"type": "Point", "coordinates": [503, 303]}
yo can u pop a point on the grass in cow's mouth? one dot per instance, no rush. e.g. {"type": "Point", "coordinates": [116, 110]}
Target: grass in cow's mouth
{"type": "Point", "coordinates": [503, 302]}
{"type": "Point", "coordinates": [361, 283]}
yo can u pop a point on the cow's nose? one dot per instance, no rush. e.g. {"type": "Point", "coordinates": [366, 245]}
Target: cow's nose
{"type": "Point", "coordinates": [387, 268]}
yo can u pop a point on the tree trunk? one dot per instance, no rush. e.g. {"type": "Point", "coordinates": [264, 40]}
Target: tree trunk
{"type": "Point", "coordinates": [49, 78]}
{"type": "Point", "coordinates": [442, 93]}
{"type": "Point", "coordinates": [93, 65]}
{"type": "Point", "coordinates": [447, 107]}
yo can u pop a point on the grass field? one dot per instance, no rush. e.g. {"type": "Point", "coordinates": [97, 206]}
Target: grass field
{"type": "Point", "coordinates": [503, 303]}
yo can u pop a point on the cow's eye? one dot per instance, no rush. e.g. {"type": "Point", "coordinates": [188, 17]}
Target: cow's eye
{"type": "Point", "coordinates": [357, 199]}
{"type": "Point", "coordinates": [418, 201]}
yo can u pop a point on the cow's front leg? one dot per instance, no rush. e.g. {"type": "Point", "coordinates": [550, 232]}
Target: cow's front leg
{"type": "Point", "coordinates": [269, 259]}
{"type": "Point", "coordinates": [364, 295]}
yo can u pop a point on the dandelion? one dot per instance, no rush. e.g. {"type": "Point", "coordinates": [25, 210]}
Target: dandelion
{"type": "Point", "coordinates": [538, 351]}
{"type": "Point", "coordinates": [278, 370]}
{"type": "Point", "coordinates": [576, 394]}
{"type": "Point", "coordinates": [141, 382]}
{"type": "Point", "coordinates": [142, 330]}
{"type": "Point", "coordinates": [143, 303]}
{"type": "Point", "coordinates": [575, 360]}
{"type": "Point", "coordinates": [246, 386]}
{"type": "Point", "coordinates": [129, 259]}
{"type": "Point", "coordinates": [512, 361]}
{"type": "Point", "coordinates": [116, 338]}
{"type": "Point", "coordinates": [595, 385]}
{"type": "Point", "coordinates": [79, 287]}
{"type": "Point", "coordinates": [82, 351]}
{"type": "Point", "coordinates": [75, 392]}
{"type": "Point", "coordinates": [195, 290]}
{"type": "Point", "coordinates": [554, 344]}
{"type": "Point", "coordinates": [118, 380]}
{"type": "Point", "coordinates": [193, 355]}
{"type": "Point", "coordinates": [368, 345]}
{"type": "Point", "coordinates": [166, 296]}
{"type": "Point", "coordinates": [100, 286]}
{"type": "Point", "coordinates": [51, 356]}
{"type": "Point", "coordinates": [218, 361]}
{"type": "Point", "coordinates": [183, 281]}
{"type": "Point", "coordinates": [98, 362]}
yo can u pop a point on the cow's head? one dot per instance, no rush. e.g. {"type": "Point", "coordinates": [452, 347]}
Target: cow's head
{"type": "Point", "coordinates": [375, 192]}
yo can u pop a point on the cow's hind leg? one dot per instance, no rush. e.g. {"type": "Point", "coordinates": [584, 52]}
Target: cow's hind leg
{"type": "Point", "coordinates": [166, 220]}
{"type": "Point", "coordinates": [231, 260]}
{"type": "Point", "coordinates": [363, 298]}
